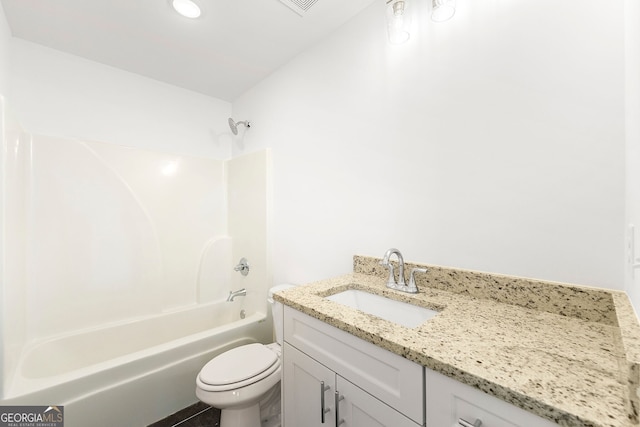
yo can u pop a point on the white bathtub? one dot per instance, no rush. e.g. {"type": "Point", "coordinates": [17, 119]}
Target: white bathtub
{"type": "Point", "coordinates": [134, 373]}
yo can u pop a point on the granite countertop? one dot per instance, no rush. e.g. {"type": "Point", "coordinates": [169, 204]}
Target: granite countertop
{"type": "Point", "coordinates": [567, 353]}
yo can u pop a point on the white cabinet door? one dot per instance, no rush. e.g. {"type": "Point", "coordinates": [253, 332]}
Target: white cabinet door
{"type": "Point", "coordinates": [390, 378]}
{"type": "Point", "coordinates": [303, 380]}
{"type": "Point", "coordinates": [448, 402]}
{"type": "Point", "coordinates": [309, 390]}
{"type": "Point", "coordinates": [359, 409]}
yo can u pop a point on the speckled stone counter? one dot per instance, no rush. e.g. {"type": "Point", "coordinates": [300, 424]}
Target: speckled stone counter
{"type": "Point", "coordinates": [567, 353]}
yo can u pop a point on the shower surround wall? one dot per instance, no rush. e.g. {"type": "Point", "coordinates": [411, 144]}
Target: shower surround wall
{"type": "Point", "coordinates": [98, 234]}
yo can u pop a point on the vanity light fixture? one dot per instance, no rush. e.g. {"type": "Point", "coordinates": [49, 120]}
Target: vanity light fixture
{"type": "Point", "coordinates": [398, 20]}
{"type": "Point", "coordinates": [186, 8]}
{"type": "Point", "coordinates": [442, 10]}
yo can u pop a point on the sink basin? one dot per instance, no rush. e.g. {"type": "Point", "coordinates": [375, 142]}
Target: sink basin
{"type": "Point", "coordinates": [408, 315]}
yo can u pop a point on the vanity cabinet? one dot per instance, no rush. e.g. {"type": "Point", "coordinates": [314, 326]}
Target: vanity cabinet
{"type": "Point", "coordinates": [330, 375]}
{"type": "Point", "coordinates": [451, 403]}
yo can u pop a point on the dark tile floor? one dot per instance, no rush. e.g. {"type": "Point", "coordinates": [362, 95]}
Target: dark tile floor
{"type": "Point", "coordinates": [196, 415]}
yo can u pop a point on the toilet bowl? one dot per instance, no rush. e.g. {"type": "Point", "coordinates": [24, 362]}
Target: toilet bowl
{"type": "Point", "coordinates": [241, 380]}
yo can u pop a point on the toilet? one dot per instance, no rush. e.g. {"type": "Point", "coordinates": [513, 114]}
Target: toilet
{"type": "Point", "coordinates": [245, 381]}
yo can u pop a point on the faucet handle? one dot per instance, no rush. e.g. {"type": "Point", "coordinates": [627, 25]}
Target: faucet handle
{"type": "Point", "coordinates": [242, 267]}
{"type": "Point", "coordinates": [412, 279]}
{"type": "Point", "coordinates": [391, 281]}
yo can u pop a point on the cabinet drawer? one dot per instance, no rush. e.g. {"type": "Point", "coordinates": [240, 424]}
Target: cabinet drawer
{"type": "Point", "coordinates": [394, 380]}
{"type": "Point", "coordinates": [448, 401]}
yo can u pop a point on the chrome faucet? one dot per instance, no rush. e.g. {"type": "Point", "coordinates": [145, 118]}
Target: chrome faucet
{"type": "Point", "coordinates": [239, 293]}
{"type": "Point", "coordinates": [400, 285]}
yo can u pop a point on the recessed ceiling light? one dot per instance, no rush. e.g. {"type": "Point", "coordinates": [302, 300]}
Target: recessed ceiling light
{"type": "Point", "coordinates": [186, 8]}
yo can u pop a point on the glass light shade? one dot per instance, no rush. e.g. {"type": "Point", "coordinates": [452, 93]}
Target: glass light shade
{"type": "Point", "coordinates": [398, 21]}
{"type": "Point", "coordinates": [186, 8]}
{"type": "Point", "coordinates": [442, 10]}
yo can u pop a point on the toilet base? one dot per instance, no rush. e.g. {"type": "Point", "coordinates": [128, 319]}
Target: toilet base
{"type": "Point", "coordinates": [270, 408]}
{"type": "Point", "coordinates": [244, 417]}
{"type": "Point", "coordinates": [265, 413]}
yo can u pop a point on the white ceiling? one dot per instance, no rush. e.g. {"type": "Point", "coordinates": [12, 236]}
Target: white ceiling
{"type": "Point", "coordinates": [230, 48]}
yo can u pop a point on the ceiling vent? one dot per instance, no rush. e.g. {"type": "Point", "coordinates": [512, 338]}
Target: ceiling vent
{"type": "Point", "coordinates": [301, 7]}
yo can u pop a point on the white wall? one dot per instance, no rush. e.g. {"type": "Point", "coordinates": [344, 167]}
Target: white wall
{"type": "Point", "coordinates": [632, 80]}
{"type": "Point", "coordinates": [5, 39]}
{"type": "Point", "coordinates": [494, 141]}
{"type": "Point", "coordinates": [58, 94]}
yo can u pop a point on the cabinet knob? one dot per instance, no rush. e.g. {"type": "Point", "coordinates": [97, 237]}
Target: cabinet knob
{"type": "Point", "coordinates": [464, 423]}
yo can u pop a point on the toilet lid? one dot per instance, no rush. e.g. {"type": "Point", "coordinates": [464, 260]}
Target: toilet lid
{"type": "Point", "coordinates": [238, 364]}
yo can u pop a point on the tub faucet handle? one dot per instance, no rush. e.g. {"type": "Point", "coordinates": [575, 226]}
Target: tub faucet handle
{"type": "Point", "coordinates": [242, 267]}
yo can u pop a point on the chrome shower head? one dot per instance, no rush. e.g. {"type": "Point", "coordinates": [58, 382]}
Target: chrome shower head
{"type": "Point", "coordinates": [234, 126]}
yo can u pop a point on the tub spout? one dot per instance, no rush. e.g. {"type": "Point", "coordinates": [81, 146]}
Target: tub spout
{"type": "Point", "coordinates": [239, 293]}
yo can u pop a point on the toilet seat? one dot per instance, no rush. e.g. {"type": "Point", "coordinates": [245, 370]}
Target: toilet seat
{"type": "Point", "coordinates": [239, 367]}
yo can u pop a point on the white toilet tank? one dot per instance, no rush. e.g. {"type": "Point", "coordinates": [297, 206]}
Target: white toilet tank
{"type": "Point", "coordinates": [277, 310]}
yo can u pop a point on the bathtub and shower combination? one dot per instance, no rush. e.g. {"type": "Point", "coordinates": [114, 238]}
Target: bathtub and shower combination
{"type": "Point", "coordinates": [114, 292]}
{"type": "Point", "coordinates": [133, 373]}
